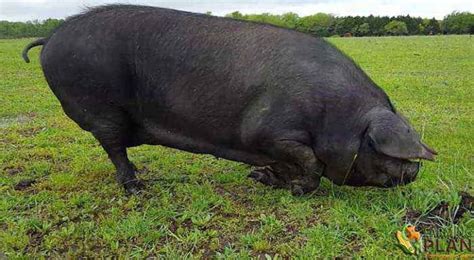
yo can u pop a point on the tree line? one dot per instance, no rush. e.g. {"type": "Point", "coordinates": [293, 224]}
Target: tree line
{"type": "Point", "coordinates": [325, 25]}
{"type": "Point", "coordinates": [320, 24]}
{"type": "Point", "coordinates": [28, 29]}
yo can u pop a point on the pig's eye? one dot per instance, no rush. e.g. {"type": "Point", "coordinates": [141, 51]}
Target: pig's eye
{"type": "Point", "coordinates": [371, 144]}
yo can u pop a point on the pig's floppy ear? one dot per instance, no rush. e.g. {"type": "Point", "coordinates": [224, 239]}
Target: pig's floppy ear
{"type": "Point", "coordinates": [393, 136]}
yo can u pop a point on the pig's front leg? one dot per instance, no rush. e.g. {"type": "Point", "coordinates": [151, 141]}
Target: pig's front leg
{"type": "Point", "coordinates": [266, 175]}
{"type": "Point", "coordinates": [297, 168]}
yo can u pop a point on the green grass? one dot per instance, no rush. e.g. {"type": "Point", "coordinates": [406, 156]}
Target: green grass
{"type": "Point", "coordinates": [198, 206]}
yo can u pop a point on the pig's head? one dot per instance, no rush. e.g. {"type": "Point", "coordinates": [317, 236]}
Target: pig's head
{"type": "Point", "coordinates": [385, 155]}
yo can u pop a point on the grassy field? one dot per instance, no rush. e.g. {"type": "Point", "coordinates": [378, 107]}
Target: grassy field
{"type": "Point", "coordinates": [58, 194]}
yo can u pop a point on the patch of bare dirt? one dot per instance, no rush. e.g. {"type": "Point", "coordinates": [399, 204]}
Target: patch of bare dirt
{"type": "Point", "coordinates": [36, 238]}
{"type": "Point", "coordinates": [442, 214]}
{"type": "Point", "coordinates": [13, 170]}
{"type": "Point", "coordinates": [24, 184]}
{"type": "Point", "coordinates": [30, 132]}
{"type": "Point", "coordinates": [355, 243]}
{"type": "Point", "coordinates": [237, 195]}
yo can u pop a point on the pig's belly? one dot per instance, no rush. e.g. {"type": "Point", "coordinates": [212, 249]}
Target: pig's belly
{"type": "Point", "coordinates": [155, 134]}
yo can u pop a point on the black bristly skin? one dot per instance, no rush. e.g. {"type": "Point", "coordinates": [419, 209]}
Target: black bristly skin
{"type": "Point", "coordinates": [244, 91]}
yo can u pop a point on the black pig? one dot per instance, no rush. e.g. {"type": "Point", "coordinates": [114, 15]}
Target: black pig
{"type": "Point", "coordinates": [248, 92]}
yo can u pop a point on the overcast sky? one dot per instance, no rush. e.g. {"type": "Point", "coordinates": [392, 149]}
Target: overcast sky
{"type": "Point", "coordinates": [23, 10]}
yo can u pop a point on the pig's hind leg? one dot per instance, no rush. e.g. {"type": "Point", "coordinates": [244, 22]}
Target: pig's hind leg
{"type": "Point", "coordinates": [113, 129]}
{"type": "Point", "coordinates": [114, 135]}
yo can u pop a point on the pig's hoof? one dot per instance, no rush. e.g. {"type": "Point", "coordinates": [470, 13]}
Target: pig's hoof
{"type": "Point", "coordinates": [299, 188]}
{"type": "Point", "coordinates": [135, 169]}
{"type": "Point", "coordinates": [257, 175]}
{"type": "Point", "coordinates": [267, 177]}
{"type": "Point", "coordinates": [133, 187]}
{"type": "Point", "coordinates": [263, 176]}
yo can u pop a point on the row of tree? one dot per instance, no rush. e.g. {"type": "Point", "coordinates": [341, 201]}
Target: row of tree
{"type": "Point", "coordinates": [325, 25]}
{"type": "Point", "coordinates": [319, 24]}
{"type": "Point", "coordinates": [28, 29]}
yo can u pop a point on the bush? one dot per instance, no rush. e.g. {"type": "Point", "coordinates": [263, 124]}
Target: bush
{"type": "Point", "coordinates": [291, 20]}
{"type": "Point", "coordinates": [319, 24]}
{"type": "Point", "coordinates": [396, 28]}
{"type": "Point", "coordinates": [363, 29]}
{"type": "Point", "coordinates": [458, 23]}
{"type": "Point", "coordinates": [430, 26]}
